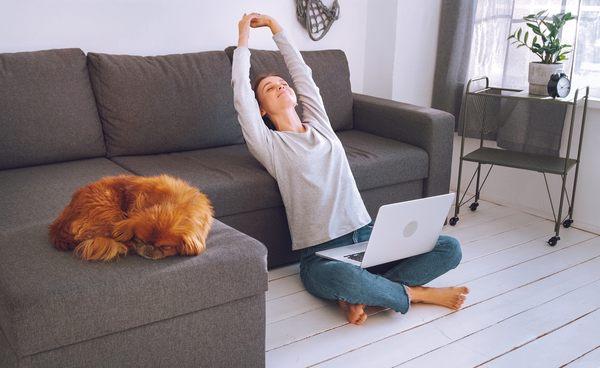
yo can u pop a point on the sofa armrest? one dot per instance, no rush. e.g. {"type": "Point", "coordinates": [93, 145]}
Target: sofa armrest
{"type": "Point", "coordinates": [427, 128]}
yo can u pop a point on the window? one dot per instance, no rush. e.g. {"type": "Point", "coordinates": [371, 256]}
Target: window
{"type": "Point", "coordinates": [493, 55]}
{"type": "Point", "coordinates": [587, 53]}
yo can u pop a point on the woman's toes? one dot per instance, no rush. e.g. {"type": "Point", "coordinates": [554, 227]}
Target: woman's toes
{"type": "Point", "coordinates": [459, 301]}
{"type": "Point", "coordinates": [362, 319]}
{"type": "Point", "coordinates": [356, 313]}
{"type": "Point", "coordinates": [464, 290]}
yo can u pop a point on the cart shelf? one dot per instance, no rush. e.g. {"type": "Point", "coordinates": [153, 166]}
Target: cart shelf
{"type": "Point", "coordinates": [518, 94]}
{"type": "Point", "coordinates": [520, 160]}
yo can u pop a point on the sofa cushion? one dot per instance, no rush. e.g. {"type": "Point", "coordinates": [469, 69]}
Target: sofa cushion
{"type": "Point", "coordinates": [167, 103]}
{"type": "Point", "coordinates": [47, 109]}
{"type": "Point", "coordinates": [49, 298]}
{"type": "Point", "coordinates": [231, 177]}
{"type": "Point", "coordinates": [376, 161]}
{"type": "Point", "coordinates": [235, 182]}
{"type": "Point", "coordinates": [330, 72]}
{"type": "Point", "coordinates": [34, 195]}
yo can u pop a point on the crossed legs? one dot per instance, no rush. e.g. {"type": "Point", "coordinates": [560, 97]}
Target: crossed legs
{"type": "Point", "coordinates": [354, 287]}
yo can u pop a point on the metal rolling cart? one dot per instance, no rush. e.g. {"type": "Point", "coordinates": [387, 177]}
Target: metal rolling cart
{"type": "Point", "coordinates": [528, 161]}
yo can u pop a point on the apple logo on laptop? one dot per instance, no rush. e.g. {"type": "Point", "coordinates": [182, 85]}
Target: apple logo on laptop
{"type": "Point", "coordinates": [410, 228]}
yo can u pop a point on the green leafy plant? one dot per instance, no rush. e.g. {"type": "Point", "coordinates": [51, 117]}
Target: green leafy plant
{"type": "Point", "coordinates": [545, 42]}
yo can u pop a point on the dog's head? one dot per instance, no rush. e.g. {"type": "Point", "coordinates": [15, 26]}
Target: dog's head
{"type": "Point", "coordinates": [165, 230]}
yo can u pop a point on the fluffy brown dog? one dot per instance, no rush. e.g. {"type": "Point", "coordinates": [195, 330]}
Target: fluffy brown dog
{"type": "Point", "coordinates": [156, 216]}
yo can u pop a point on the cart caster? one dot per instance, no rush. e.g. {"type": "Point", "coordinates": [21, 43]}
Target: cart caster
{"type": "Point", "coordinates": [474, 206]}
{"type": "Point", "coordinates": [553, 240]}
{"type": "Point", "coordinates": [567, 223]}
{"type": "Point", "coordinates": [453, 221]}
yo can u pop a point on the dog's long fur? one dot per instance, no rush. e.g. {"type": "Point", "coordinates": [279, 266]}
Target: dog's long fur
{"type": "Point", "coordinates": [103, 218]}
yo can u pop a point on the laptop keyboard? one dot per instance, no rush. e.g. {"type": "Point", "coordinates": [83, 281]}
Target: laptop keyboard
{"type": "Point", "coordinates": [358, 257]}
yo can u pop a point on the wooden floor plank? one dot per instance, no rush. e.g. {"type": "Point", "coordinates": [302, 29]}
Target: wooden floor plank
{"type": "Point", "coordinates": [281, 272]}
{"type": "Point", "coordinates": [292, 305]}
{"type": "Point", "coordinates": [556, 348]}
{"type": "Point", "coordinates": [491, 228]}
{"type": "Point", "coordinates": [284, 286]}
{"type": "Point", "coordinates": [398, 348]}
{"type": "Point", "coordinates": [589, 359]}
{"type": "Point", "coordinates": [483, 215]}
{"type": "Point", "coordinates": [502, 265]}
{"type": "Point", "coordinates": [505, 240]}
{"type": "Point", "coordinates": [508, 258]}
{"type": "Point", "coordinates": [514, 332]}
{"type": "Point", "coordinates": [336, 340]}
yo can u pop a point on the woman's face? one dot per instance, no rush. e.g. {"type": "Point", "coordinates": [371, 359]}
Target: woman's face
{"type": "Point", "coordinates": [275, 95]}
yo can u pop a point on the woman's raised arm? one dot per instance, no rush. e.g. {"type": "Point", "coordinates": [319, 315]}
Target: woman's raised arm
{"type": "Point", "coordinates": [307, 91]}
{"type": "Point", "coordinates": [257, 135]}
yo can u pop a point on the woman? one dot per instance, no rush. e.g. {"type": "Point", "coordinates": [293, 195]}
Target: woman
{"type": "Point", "coordinates": [323, 206]}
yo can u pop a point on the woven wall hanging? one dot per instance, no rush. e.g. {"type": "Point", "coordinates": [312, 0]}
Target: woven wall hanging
{"type": "Point", "coordinates": [316, 17]}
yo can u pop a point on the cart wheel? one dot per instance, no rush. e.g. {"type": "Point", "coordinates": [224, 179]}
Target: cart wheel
{"type": "Point", "coordinates": [453, 221]}
{"type": "Point", "coordinates": [553, 240]}
{"type": "Point", "coordinates": [567, 223]}
{"type": "Point", "coordinates": [474, 206]}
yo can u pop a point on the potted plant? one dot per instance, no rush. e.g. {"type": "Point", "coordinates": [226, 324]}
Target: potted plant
{"type": "Point", "coordinates": [545, 43]}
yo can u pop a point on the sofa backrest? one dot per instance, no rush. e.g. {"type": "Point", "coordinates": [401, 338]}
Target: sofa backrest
{"type": "Point", "coordinates": [47, 109]}
{"type": "Point", "coordinates": [157, 104]}
{"type": "Point", "coordinates": [330, 73]}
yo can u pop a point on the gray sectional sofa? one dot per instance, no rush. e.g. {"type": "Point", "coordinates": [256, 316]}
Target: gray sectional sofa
{"type": "Point", "coordinates": [68, 119]}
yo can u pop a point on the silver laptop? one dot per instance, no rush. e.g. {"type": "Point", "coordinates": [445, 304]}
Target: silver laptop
{"type": "Point", "coordinates": [401, 230]}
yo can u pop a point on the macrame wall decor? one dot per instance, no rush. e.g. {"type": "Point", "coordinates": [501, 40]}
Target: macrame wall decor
{"type": "Point", "coordinates": [316, 17]}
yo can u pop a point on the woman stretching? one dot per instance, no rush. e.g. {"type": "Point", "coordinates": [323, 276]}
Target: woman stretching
{"type": "Point", "coordinates": [322, 203]}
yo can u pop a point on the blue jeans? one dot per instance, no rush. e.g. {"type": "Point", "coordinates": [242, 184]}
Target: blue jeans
{"type": "Point", "coordinates": [382, 285]}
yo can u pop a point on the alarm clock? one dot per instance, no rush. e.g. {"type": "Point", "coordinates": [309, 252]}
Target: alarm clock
{"type": "Point", "coordinates": [559, 85]}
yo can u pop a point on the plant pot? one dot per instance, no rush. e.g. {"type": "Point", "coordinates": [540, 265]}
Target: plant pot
{"type": "Point", "coordinates": [539, 75]}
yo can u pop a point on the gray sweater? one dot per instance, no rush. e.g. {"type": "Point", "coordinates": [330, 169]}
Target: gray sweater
{"type": "Point", "coordinates": [318, 190]}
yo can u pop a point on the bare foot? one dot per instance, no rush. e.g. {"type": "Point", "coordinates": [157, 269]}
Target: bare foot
{"type": "Point", "coordinates": [450, 297]}
{"type": "Point", "coordinates": [355, 313]}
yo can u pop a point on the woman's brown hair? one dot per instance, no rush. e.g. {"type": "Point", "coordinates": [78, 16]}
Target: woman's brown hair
{"type": "Point", "coordinates": [257, 81]}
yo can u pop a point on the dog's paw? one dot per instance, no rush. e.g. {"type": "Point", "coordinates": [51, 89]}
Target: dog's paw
{"type": "Point", "coordinates": [191, 246]}
{"type": "Point", "coordinates": [123, 231]}
{"type": "Point", "coordinates": [100, 249]}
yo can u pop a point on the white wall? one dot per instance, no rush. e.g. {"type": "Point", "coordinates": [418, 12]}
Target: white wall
{"type": "Point", "coordinates": [401, 49]}
{"type": "Point", "coordinates": [153, 27]}
{"type": "Point", "coordinates": [380, 48]}
{"type": "Point", "coordinates": [416, 47]}
{"type": "Point", "coordinates": [390, 44]}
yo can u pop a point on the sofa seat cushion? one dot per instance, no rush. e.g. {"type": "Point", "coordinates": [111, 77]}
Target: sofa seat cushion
{"type": "Point", "coordinates": [47, 109]}
{"type": "Point", "coordinates": [37, 194]}
{"type": "Point", "coordinates": [158, 104]}
{"type": "Point", "coordinates": [49, 298]}
{"type": "Point", "coordinates": [376, 161]}
{"type": "Point", "coordinates": [235, 182]}
{"type": "Point", "coordinates": [231, 177]}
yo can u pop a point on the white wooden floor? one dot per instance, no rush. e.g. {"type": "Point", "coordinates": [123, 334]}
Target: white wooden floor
{"type": "Point", "coordinates": [530, 305]}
